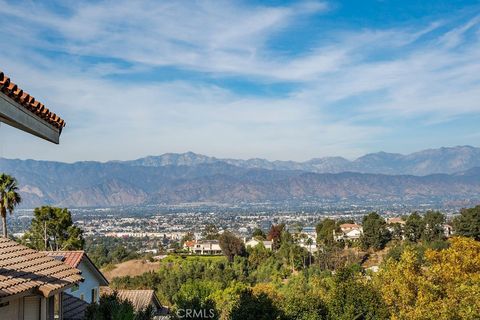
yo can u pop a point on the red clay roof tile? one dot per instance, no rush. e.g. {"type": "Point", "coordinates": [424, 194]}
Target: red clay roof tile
{"type": "Point", "coordinates": [11, 90]}
{"type": "Point", "coordinates": [23, 269]}
{"type": "Point", "coordinates": [71, 258]}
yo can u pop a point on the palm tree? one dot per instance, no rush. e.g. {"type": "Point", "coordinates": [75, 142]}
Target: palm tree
{"type": "Point", "coordinates": [9, 198]}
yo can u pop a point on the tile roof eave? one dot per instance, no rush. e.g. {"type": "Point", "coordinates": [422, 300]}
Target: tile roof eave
{"type": "Point", "coordinates": [12, 91]}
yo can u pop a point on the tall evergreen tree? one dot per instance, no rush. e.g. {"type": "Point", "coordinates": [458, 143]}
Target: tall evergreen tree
{"type": "Point", "coordinates": [414, 227]}
{"type": "Point", "coordinates": [468, 223]}
{"type": "Point", "coordinates": [53, 229]}
{"type": "Point", "coordinates": [325, 230]}
{"type": "Point", "coordinates": [375, 233]}
{"type": "Point", "coordinates": [433, 222]}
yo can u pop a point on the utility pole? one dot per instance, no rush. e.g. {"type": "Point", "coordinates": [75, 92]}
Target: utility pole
{"type": "Point", "coordinates": [45, 233]}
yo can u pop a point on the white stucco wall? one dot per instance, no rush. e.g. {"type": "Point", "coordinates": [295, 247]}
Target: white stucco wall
{"type": "Point", "coordinates": [12, 310]}
{"type": "Point", "coordinates": [85, 287]}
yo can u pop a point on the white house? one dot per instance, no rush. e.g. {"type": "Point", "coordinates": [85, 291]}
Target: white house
{"type": "Point", "coordinates": [89, 289]}
{"type": "Point", "coordinates": [447, 230]}
{"type": "Point", "coordinates": [204, 247]}
{"type": "Point", "coordinates": [349, 231]}
{"type": "Point", "coordinates": [32, 285]}
{"type": "Point", "coordinates": [254, 242]}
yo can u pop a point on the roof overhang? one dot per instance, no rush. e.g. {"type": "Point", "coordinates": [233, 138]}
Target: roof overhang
{"type": "Point", "coordinates": [16, 115]}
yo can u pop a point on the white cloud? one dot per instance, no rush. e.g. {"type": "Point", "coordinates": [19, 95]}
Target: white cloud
{"type": "Point", "coordinates": [401, 73]}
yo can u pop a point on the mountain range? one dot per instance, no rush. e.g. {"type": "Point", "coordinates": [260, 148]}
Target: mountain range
{"type": "Point", "coordinates": [431, 161]}
{"type": "Point", "coordinates": [445, 174]}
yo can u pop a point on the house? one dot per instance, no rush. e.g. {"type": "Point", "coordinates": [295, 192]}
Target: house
{"type": "Point", "coordinates": [140, 299]}
{"type": "Point", "coordinates": [311, 232]}
{"type": "Point", "coordinates": [32, 284]}
{"type": "Point", "coordinates": [89, 289]}
{"type": "Point", "coordinates": [254, 242]}
{"type": "Point", "coordinates": [204, 247]}
{"type": "Point", "coordinates": [447, 230]}
{"type": "Point", "coordinates": [348, 231]}
{"type": "Point", "coordinates": [188, 245]}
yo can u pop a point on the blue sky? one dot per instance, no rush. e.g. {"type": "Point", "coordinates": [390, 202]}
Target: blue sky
{"type": "Point", "coordinates": [271, 79]}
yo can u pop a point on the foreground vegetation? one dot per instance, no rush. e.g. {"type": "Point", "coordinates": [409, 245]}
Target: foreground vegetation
{"type": "Point", "coordinates": [423, 277]}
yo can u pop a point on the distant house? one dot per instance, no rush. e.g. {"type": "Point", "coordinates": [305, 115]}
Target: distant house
{"type": "Point", "coordinates": [77, 298]}
{"type": "Point", "coordinates": [447, 230]}
{"type": "Point", "coordinates": [140, 299]}
{"type": "Point", "coordinates": [32, 284]}
{"type": "Point", "coordinates": [311, 232]}
{"type": "Point", "coordinates": [188, 245]}
{"type": "Point", "coordinates": [349, 231]}
{"type": "Point", "coordinates": [254, 242]}
{"type": "Point", "coordinates": [204, 247]}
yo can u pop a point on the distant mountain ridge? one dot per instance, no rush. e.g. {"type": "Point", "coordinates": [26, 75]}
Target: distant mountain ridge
{"type": "Point", "coordinates": [443, 160]}
{"type": "Point", "coordinates": [187, 178]}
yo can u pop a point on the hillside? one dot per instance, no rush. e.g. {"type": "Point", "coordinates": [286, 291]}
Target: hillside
{"type": "Point", "coordinates": [432, 161]}
{"type": "Point", "coordinates": [93, 184]}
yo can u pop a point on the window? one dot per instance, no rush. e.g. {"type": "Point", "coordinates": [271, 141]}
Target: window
{"type": "Point", "coordinates": [94, 295]}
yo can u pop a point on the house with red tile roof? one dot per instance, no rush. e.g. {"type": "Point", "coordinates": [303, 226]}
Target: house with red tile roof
{"type": "Point", "coordinates": [349, 231]}
{"type": "Point", "coordinates": [31, 283]}
{"type": "Point", "coordinates": [89, 289]}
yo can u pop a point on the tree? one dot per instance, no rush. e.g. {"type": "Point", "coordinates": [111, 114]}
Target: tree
{"type": "Point", "coordinates": [195, 296]}
{"type": "Point", "coordinates": [433, 231]}
{"type": "Point", "coordinates": [414, 227]}
{"type": "Point", "coordinates": [111, 307]}
{"type": "Point", "coordinates": [375, 233]}
{"type": "Point", "coordinates": [275, 235]}
{"type": "Point", "coordinates": [231, 245]}
{"type": "Point", "coordinates": [353, 299]}
{"type": "Point", "coordinates": [397, 231]}
{"type": "Point", "coordinates": [9, 198]}
{"type": "Point", "coordinates": [446, 285]}
{"type": "Point", "coordinates": [239, 302]}
{"type": "Point", "coordinates": [299, 300]}
{"type": "Point", "coordinates": [258, 234]}
{"type": "Point", "coordinates": [210, 232]}
{"type": "Point", "coordinates": [325, 230]}
{"type": "Point", "coordinates": [189, 236]}
{"type": "Point", "coordinates": [468, 223]}
{"type": "Point", "coordinates": [258, 255]}
{"type": "Point", "coordinates": [53, 229]}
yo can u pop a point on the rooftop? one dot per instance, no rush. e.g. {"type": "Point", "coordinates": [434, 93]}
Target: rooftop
{"type": "Point", "coordinates": [19, 109]}
{"type": "Point", "coordinates": [140, 299]}
{"type": "Point", "coordinates": [71, 258]}
{"type": "Point", "coordinates": [24, 270]}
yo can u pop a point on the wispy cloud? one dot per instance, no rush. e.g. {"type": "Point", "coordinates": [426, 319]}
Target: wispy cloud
{"type": "Point", "coordinates": [344, 94]}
